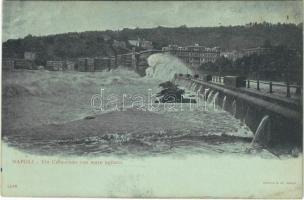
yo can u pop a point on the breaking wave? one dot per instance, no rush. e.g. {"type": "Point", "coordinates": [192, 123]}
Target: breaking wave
{"type": "Point", "coordinates": [25, 83]}
{"type": "Point", "coordinates": [163, 67]}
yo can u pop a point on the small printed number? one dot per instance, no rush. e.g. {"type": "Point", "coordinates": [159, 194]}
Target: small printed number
{"type": "Point", "coordinates": [12, 186]}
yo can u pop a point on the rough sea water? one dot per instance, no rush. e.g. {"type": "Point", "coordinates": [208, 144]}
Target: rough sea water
{"type": "Point", "coordinates": [50, 113]}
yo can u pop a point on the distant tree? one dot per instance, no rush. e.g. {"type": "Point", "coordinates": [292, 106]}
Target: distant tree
{"type": "Point", "coordinates": [267, 44]}
{"type": "Point", "coordinates": [183, 26]}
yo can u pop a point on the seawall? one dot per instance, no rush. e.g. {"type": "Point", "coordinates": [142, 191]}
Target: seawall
{"type": "Point", "coordinates": [285, 116]}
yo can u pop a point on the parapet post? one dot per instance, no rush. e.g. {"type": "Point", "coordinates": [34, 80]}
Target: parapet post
{"type": "Point", "coordinates": [115, 60]}
{"type": "Point", "coordinates": [298, 90]}
{"type": "Point", "coordinates": [133, 57]}
{"type": "Point", "coordinates": [258, 79]}
{"type": "Point", "coordinates": [270, 87]}
{"type": "Point", "coordinates": [288, 89]}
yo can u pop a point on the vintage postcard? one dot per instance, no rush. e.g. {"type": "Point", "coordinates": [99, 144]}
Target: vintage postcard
{"type": "Point", "coordinates": [152, 99]}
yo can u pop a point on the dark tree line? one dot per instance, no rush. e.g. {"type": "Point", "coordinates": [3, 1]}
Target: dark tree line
{"type": "Point", "coordinates": [280, 64]}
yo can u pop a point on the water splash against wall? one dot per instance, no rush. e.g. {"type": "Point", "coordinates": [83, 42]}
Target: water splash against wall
{"type": "Point", "coordinates": [215, 98]}
{"type": "Point", "coordinates": [233, 108]}
{"type": "Point", "coordinates": [224, 103]}
{"type": "Point", "coordinates": [262, 130]}
{"type": "Point", "coordinates": [164, 66]}
{"type": "Point", "coordinates": [209, 98]}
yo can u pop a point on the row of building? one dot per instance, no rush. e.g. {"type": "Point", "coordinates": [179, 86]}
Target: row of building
{"type": "Point", "coordinates": [138, 43]}
{"type": "Point", "coordinates": [233, 55]}
{"type": "Point", "coordinates": [194, 55]}
{"type": "Point", "coordinates": [81, 64]}
{"type": "Point", "coordinates": [105, 63]}
{"type": "Point", "coordinates": [11, 64]}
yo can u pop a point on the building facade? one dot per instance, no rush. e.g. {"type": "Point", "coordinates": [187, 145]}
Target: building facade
{"type": "Point", "coordinates": [194, 55]}
{"type": "Point", "coordinates": [113, 62]}
{"type": "Point", "coordinates": [141, 43]}
{"type": "Point", "coordinates": [23, 64]}
{"type": "Point", "coordinates": [145, 44]}
{"type": "Point", "coordinates": [101, 64]}
{"type": "Point", "coordinates": [120, 44]}
{"type": "Point", "coordinates": [257, 51]}
{"type": "Point", "coordinates": [85, 64]}
{"type": "Point", "coordinates": [55, 65]}
{"type": "Point", "coordinates": [8, 64]}
{"type": "Point", "coordinates": [29, 55]}
{"type": "Point", "coordinates": [127, 60]}
{"type": "Point", "coordinates": [232, 55]}
{"type": "Point", "coordinates": [70, 66]}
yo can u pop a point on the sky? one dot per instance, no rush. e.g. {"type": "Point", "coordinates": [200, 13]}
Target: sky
{"type": "Point", "coordinates": [21, 18]}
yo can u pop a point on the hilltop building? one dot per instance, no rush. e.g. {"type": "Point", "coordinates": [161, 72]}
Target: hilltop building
{"type": "Point", "coordinates": [120, 44]}
{"type": "Point", "coordinates": [141, 43]}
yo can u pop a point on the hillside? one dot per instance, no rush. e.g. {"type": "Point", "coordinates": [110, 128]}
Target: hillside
{"type": "Point", "coordinates": [101, 43]}
{"type": "Point", "coordinates": [228, 38]}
